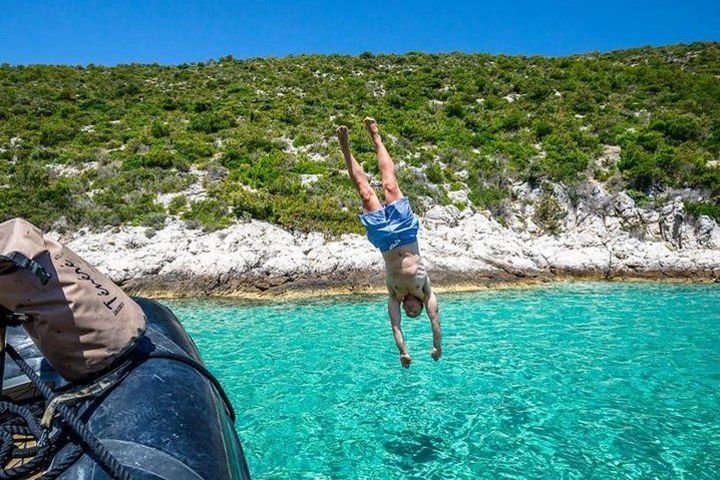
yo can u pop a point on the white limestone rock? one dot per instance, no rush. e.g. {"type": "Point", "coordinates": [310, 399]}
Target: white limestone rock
{"type": "Point", "coordinates": [442, 215]}
{"type": "Point", "coordinates": [603, 235]}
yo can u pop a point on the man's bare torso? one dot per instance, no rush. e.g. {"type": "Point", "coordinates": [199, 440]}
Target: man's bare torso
{"type": "Point", "coordinates": [405, 272]}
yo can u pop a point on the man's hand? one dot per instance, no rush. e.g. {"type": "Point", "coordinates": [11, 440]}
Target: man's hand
{"type": "Point", "coordinates": [405, 360]}
{"type": "Point", "coordinates": [436, 353]}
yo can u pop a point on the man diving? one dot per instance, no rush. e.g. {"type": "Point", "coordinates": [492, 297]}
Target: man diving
{"type": "Point", "coordinates": [393, 229]}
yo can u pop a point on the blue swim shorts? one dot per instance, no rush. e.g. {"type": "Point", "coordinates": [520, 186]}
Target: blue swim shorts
{"type": "Point", "coordinates": [393, 226]}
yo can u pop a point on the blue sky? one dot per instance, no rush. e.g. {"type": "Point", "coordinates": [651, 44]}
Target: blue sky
{"type": "Point", "coordinates": [109, 32]}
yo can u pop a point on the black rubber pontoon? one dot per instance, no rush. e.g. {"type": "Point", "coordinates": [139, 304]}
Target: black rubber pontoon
{"type": "Point", "coordinates": [163, 420]}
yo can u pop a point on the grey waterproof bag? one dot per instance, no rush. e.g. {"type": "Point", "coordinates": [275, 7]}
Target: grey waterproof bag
{"type": "Point", "coordinates": [79, 319]}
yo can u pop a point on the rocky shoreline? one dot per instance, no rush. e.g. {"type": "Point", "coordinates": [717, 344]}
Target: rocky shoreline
{"type": "Point", "coordinates": [601, 236]}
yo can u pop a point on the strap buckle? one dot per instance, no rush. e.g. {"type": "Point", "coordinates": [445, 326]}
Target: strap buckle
{"type": "Point", "coordinates": [21, 261]}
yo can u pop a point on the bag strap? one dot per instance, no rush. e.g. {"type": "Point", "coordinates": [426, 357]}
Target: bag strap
{"type": "Point", "coordinates": [8, 318]}
{"type": "Point", "coordinates": [18, 260]}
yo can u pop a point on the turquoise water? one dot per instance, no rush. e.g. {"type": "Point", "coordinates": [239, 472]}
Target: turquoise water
{"type": "Point", "coordinates": [589, 380]}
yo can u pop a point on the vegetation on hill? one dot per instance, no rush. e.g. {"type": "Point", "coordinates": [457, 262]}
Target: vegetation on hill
{"type": "Point", "coordinates": [98, 146]}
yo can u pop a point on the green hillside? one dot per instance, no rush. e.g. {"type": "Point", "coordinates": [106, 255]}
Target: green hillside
{"type": "Point", "coordinates": [96, 146]}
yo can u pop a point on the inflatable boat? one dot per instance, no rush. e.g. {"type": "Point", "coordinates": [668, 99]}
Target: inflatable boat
{"type": "Point", "coordinates": [159, 414]}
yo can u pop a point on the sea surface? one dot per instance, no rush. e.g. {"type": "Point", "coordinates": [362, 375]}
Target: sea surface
{"type": "Point", "coordinates": [564, 381]}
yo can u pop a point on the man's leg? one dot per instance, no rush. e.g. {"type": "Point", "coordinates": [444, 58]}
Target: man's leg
{"type": "Point", "coordinates": [357, 174]}
{"type": "Point", "coordinates": [385, 164]}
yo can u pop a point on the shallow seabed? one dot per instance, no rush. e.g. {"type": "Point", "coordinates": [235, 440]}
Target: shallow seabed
{"type": "Point", "coordinates": [572, 380]}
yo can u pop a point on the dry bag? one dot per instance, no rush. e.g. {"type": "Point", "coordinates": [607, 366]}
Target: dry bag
{"type": "Point", "coordinates": [78, 318]}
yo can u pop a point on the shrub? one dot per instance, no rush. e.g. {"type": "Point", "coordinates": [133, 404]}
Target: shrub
{"type": "Point", "coordinates": [55, 131]}
{"type": "Point", "coordinates": [640, 168]}
{"type": "Point", "coordinates": [697, 209]}
{"type": "Point", "coordinates": [156, 158]}
{"type": "Point", "coordinates": [563, 160]}
{"type": "Point", "coordinates": [159, 129]}
{"type": "Point", "coordinates": [211, 122]}
{"type": "Point", "coordinates": [309, 167]}
{"type": "Point", "coordinates": [193, 149]}
{"type": "Point", "coordinates": [640, 198]}
{"type": "Point", "coordinates": [237, 114]}
{"type": "Point", "coordinates": [548, 213]}
{"type": "Point", "coordinates": [542, 128]}
{"type": "Point", "coordinates": [454, 108]}
{"type": "Point", "coordinates": [211, 214]}
{"type": "Point", "coordinates": [177, 205]}
{"type": "Point", "coordinates": [254, 204]}
{"type": "Point", "coordinates": [679, 129]}
{"type": "Point", "coordinates": [434, 173]}
{"type": "Point", "coordinates": [487, 197]}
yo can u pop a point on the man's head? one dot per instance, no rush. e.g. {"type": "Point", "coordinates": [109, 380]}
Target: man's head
{"type": "Point", "coordinates": [413, 305]}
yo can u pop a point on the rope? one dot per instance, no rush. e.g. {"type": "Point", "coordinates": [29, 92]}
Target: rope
{"type": "Point", "coordinates": [15, 416]}
{"type": "Point", "coordinates": [23, 420]}
{"type": "Point", "coordinates": [113, 467]}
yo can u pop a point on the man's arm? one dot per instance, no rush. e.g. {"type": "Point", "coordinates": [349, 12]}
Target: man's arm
{"type": "Point", "coordinates": [433, 312]}
{"type": "Point", "coordinates": [394, 312]}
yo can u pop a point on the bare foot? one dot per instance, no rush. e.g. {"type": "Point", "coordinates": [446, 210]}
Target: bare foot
{"type": "Point", "coordinates": [405, 360]}
{"type": "Point", "coordinates": [372, 127]}
{"type": "Point", "coordinates": [343, 138]}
